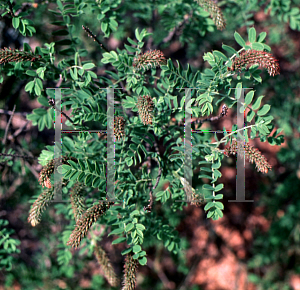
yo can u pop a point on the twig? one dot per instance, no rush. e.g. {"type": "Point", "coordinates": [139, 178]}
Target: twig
{"type": "Point", "coordinates": [90, 34]}
{"type": "Point", "coordinates": [7, 126]}
{"type": "Point", "coordinates": [19, 156]}
{"type": "Point", "coordinates": [184, 285]}
{"type": "Point", "coordinates": [121, 4]}
{"type": "Point", "coordinates": [19, 131]}
{"type": "Point", "coordinates": [149, 171]}
{"type": "Point", "coordinates": [11, 9]}
{"type": "Point", "coordinates": [162, 276]}
{"type": "Point", "coordinates": [175, 29]}
{"type": "Point", "coordinates": [33, 171]}
{"type": "Point", "coordinates": [52, 103]}
{"type": "Point", "coordinates": [25, 5]}
{"type": "Point", "coordinates": [59, 81]}
{"type": "Point", "coordinates": [9, 192]}
{"type": "Point", "coordinates": [148, 208]}
{"type": "Point", "coordinates": [211, 119]}
{"type": "Point", "coordinates": [6, 112]}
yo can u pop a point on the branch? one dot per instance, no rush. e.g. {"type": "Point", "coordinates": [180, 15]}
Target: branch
{"type": "Point", "coordinates": [52, 103]}
{"type": "Point", "coordinates": [148, 208]}
{"type": "Point", "coordinates": [176, 29]}
{"type": "Point", "coordinates": [18, 156]}
{"type": "Point", "coordinates": [6, 112]}
{"type": "Point", "coordinates": [19, 131]}
{"type": "Point", "coordinates": [33, 171]}
{"type": "Point", "coordinates": [11, 9]}
{"type": "Point", "coordinates": [59, 81]}
{"type": "Point", "coordinates": [215, 118]}
{"type": "Point", "coordinates": [90, 34]}
{"type": "Point", "coordinates": [7, 126]}
{"type": "Point", "coordinates": [161, 274]}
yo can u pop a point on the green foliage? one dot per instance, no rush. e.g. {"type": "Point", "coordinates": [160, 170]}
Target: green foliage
{"type": "Point", "coordinates": [285, 12]}
{"type": "Point", "coordinates": [270, 248]}
{"type": "Point", "coordinates": [19, 22]}
{"type": "Point", "coordinates": [8, 246]}
{"type": "Point", "coordinates": [91, 172]}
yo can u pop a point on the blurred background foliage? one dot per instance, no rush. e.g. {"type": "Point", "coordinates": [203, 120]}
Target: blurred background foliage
{"type": "Point", "coordinates": [269, 227]}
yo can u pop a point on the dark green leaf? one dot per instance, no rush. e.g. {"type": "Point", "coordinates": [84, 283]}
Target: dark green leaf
{"type": "Point", "coordinates": [126, 251]}
{"type": "Point", "coordinates": [60, 32]}
{"type": "Point", "coordinates": [220, 54]}
{"type": "Point", "coordinates": [116, 232]}
{"type": "Point", "coordinates": [219, 205]}
{"type": "Point", "coordinates": [261, 36]}
{"type": "Point", "coordinates": [68, 51]}
{"type": "Point", "coordinates": [63, 42]}
{"type": "Point", "coordinates": [118, 241]}
{"type": "Point", "coordinates": [219, 187]}
{"type": "Point", "coordinates": [250, 116]}
{"type": "Point", "coordinates": [31, 73]}
{"type": "Point", "coordinates": [143, 261]}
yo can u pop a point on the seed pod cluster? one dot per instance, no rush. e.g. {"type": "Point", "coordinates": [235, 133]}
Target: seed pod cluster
{"type": "Point", "coordinates": [252, 154]}
{"type": "Point", "coordinates": [48, 169]}
{"type": "Point", "coordinates": [14, 55]}
{"type": "Point", "coordinates": [145, 106]}
{"type": "Point", "coordinates": [250, 57]}
{"type": "Point", "coordinates": [86, 221]}
{"type": "Point", "coordinates": [215, 12]}
{"type": "Point", "coordinates": [130, 269]}
{"type": "Point", "coordinates": [149, 59]}
{"type": "Point", "coordinates": [119, 128]}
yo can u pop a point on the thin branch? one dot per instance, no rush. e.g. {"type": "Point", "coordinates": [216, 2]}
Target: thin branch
{"type": "Point", "coordinates": [149, 206]}
{"type": "Point", "coordinates": [59, 81]}
{"type": "Point", "coordinates": [25, 6]}
{"type": "Point", "coordinates": [7, 126]}
{"type": "Point", "coordinates": [10, 191]}
{"type": "Point", "coordinates": [33, 171]}
{"type": "Point", "coordinates": [162, 276]}
{"type": "Point", "coordinates": [215, 118]}
{"type": "Point", "coordinates": [185, 284]}
{"type": "Point", "coordinates": [18, 156]}
{"type": "Point", "coordinates": [11, 9]}
{"type": "Point", "coordinates": [175, 29]}
{"type": "Point", "coordinates": [19, 131]}
{"type": "Point", "coordinates": [6, 112]}
{"type": "Point", "coordinates": [52, 103]}
{"type": "Point", "coordinates": [90, 34]}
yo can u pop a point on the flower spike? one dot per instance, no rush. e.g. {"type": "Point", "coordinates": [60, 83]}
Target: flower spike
{"type": "Point", "coordinates": [250, 57]}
